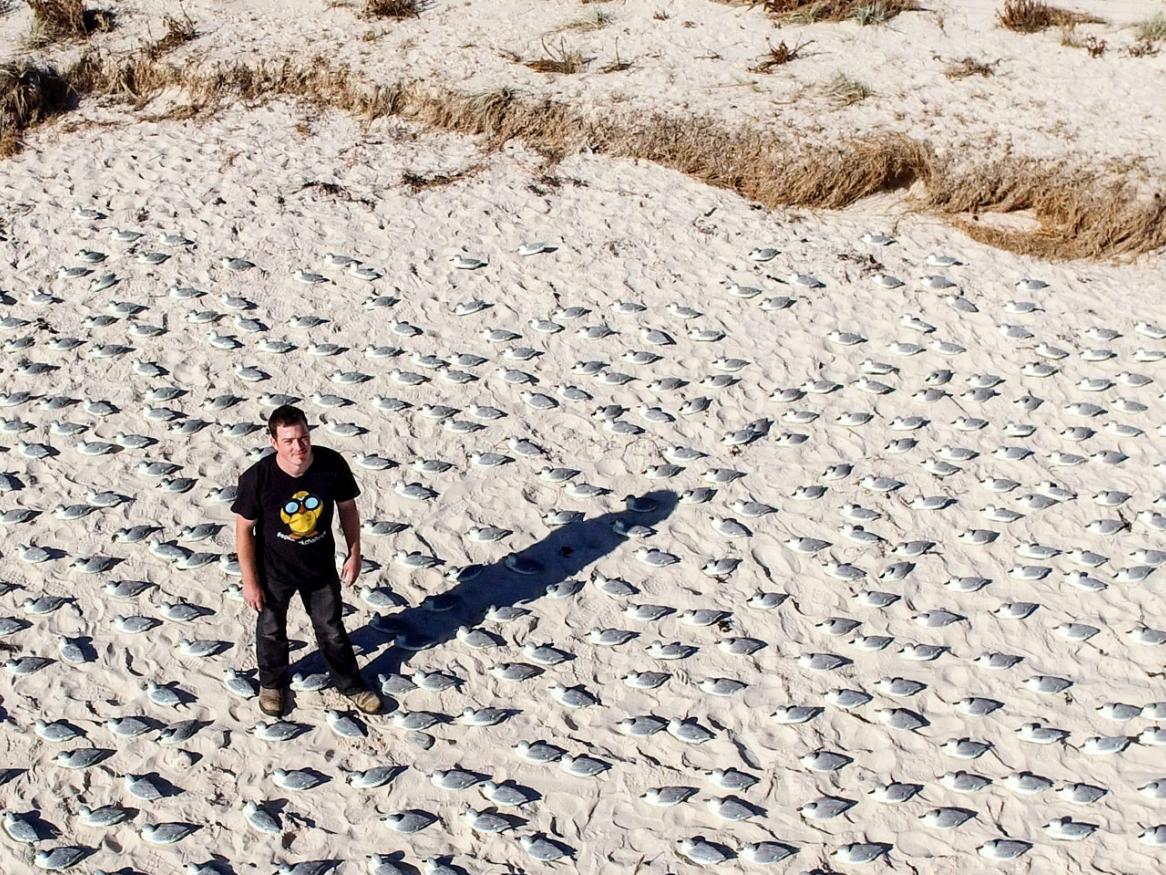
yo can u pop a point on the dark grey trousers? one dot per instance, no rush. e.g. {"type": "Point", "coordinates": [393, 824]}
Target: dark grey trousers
{"type": "Point", "coordinates": [323, 603]}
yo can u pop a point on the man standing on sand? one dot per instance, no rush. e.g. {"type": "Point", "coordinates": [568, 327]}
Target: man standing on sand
{"type": "Point", "coordinates": [283, 536]}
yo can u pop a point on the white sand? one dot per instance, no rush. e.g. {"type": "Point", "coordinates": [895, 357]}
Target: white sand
{"type": "Point", "coordinates": [625, 231]}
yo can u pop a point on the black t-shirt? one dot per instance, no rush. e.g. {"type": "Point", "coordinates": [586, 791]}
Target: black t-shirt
{"type": "Point", "coordinates": [293, 515]}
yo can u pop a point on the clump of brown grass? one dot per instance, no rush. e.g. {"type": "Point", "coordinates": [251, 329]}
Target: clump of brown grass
{"type": "Point", "coordinates": [397, 9]}
{"type": "Point", "coordinates": [861, 11]}
{"type": "Point", "coordinates": [560, 60]}
{"type": "Point", "coordinates": [135, 79]}
{"type": "Point", "coordinates": [778, 56]}
{"type": "Point", "coordinates": [179, 31]}
{"type": "Point", "coordinates": [1030, 16]}
{"type": "Point", "coordinates": [846, 91]}
{"type": "Point", "coordinates": [968, 66]}
{"type": "Point", "coordinates": [1077, 214]}
{"type": "Point", "coordinates": [54, 20]}
{"type": "Point", "coordinates": [29, 94]}
{"type": "Point", "coordinates": [417, 182]}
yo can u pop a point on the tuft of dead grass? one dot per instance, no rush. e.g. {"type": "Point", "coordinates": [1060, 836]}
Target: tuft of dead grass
{"type": "Point", "coordinates": [778, 56]}
{"type": "Point", "coordinates": [56, 20]}
{"type": "Point", "coordinates": [417, 182]}
{"type": "Point", "coordinates": [845, 91]}
{"type": "Point", "coordinates": [863, 12]}
{"type": "Point", "coordinates": [968, 66]}
{"type": "Point", "coordinates": [558, 60]}
{"type": "Point", "coordinates": [395, 9]}
{"type": "Point", "coordinates": [29, 94]}
{"type": "Point", "coordinates": [179, 31]}
{"type": "Point", "coordinates": [1078, 214]}
{"type": "Point", "coordinates": [1075, 214]}
{"type": "Point", "coordinates": [1031, 16]}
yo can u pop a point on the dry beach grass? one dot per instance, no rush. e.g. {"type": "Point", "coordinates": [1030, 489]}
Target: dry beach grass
{"type": "Point", "coordinates": [863, 12]}
{"type": "Point", "coordinates": [779, 56]}
{"type": "Point", "coordinates": [557, 59]}
{"type": "Point", "coordinates": [1074, 213]}
{"type": "Point", "coordinates": [1077, 217]}
{"type": "Point", "coordinates": [54, 20]}
{"type": "Point", "coordinates": [29, 94]}
{"type": "Point", "coordinates": [391, 9]}
{"type": "Point", "coordinates": [966, 67]}
{"type": "Point", "coordinates": [1031, 16]}
{"type": "Point", "coordinates": [846, 91]}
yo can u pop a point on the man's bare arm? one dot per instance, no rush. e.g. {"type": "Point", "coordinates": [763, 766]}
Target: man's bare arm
{"type": "Point", "coordinates": [248, 566]}
{"type": "Point", "coordinates": [350, 524]}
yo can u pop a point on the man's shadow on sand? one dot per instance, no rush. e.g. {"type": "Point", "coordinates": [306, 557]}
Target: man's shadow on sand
{"type": "Point", "coordinates": [550, 562]}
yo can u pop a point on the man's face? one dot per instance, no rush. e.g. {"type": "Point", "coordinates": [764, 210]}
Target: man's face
{"type": "Point", "coordinates": [293, 445]}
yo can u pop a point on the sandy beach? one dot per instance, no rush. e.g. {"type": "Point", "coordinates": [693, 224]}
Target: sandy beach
{"type": "Point", "coordinates": [828, 540]}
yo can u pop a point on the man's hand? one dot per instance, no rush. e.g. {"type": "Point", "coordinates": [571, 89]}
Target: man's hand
{"type": "Point", "coordinates": [253, 596]}
{"type": "Point", "coordinates": [249, 568]}
{"type": "Point", "coordinates": [351, 568]}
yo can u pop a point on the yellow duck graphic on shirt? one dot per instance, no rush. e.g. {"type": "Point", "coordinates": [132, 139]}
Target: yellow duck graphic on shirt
{"type": "Point", "coordinates": [300, 513]}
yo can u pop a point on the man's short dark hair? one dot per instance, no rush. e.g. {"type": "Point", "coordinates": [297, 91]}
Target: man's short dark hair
{"type": "Point", "coordinates": [285, 415]}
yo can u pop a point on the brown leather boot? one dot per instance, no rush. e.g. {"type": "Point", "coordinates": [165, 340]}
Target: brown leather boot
{"type": "Point", "coordinates": [271, 702]}
{"type": "Point", "coordinates": [366, 701]}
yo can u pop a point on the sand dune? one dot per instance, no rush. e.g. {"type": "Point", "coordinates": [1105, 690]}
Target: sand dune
{"type": "Point", "coordinates": [823, 539]}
